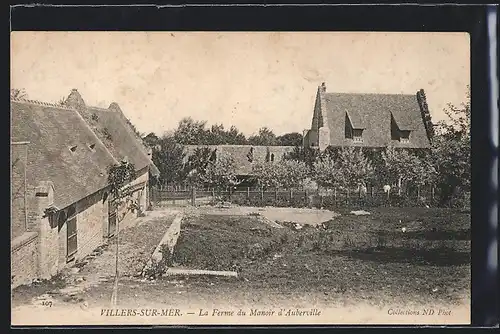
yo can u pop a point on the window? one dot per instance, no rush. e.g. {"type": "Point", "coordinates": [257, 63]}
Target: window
{"type": "Point", "coordinates": [357, 135]}
{"type": "Point", "coordinates": [71, 232]}
{"type": "Point", "coordinates": [404, 136]}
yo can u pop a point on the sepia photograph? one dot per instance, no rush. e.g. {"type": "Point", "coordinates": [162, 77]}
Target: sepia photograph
{"type": "Point", "coordinates": [240, 178]}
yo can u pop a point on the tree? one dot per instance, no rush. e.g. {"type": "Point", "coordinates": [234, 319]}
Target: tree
{"type": "Point", "coordinates": [191, 132]}
{"type": "Point", "coordinates": [355, 167]}
{"type": "Point", "coordinates": [290, 139]}
{"type": "Point", "coordinates": [402, 166]}
{"type": "Point", "coordinates": [220, 173]}
{"type": "Point", "coordinates": [196, 165]}
{"type": "Point", "coordinates": [119, 178]}
{"type": "Point", "coordinates": [235, 137]}
{"type": "Point", "coordinates": [266, 174]}
{"type": "Point", "coordinates": [308, 155]}
{"type": "Point", "coordinates": [327, 173]}
{"type": "Point", "coordinates": [152, 140]}
{"type": "Point", "coordinates": [266, 137]}
{"type": "Point", "coordinates": [282, 174]}
{"type": "Point", "coordinates": [349, 169]}
{"type": "Point", "coordinates": [451, 151]}
{"type": "Point", "coordinates": [16, 93]}
{"type": "Point", "coordinates": [169, 157]}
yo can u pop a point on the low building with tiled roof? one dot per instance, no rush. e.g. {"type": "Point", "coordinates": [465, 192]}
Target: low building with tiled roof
{"type": "Point", "coordinates": [58, 188]}
{"type": "Point", "coordinates": [369, 120]}
{"type": "Point", "coordinates": [60, 208]}
{"type": "Point", "coordinates": [245, 156]}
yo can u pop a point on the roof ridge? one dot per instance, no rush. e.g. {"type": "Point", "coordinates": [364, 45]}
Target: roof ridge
{"type": "Point", "coordinates": [100, 108]}
{"type": "Point", "coordinates": [361, 93]}
{"type": "Point", "coordinates": [41, 103]}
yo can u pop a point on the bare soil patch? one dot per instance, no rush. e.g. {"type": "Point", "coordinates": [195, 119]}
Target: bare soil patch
{"type": "Point", "coordinates": [362, 257]}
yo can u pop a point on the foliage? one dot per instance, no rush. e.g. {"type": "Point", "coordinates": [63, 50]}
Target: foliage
{"type": "Point", "coordinates": [265, 137]}
{"type": "Point", "coordinates": [16, 93]}
{"type": "Point", "coordinates": [349, 169]}
{"type": "Point", "coordinates": [190, 132]}
{"type": "Point", "coordinates": [168, 156]}
{"type": "Point", "coordinates": [308, 155]}
{"type": "Point", "coordinates": [196, 165]}
{"type": "Point", "coordinates": [451, 151]}
{"type": "Point", "coordinates": [402, 167]}
{"type": "Point", "coordinates": [118, 177]}
{"type": "Point", "coordinates": [220, 172]}
{"type": "Point", "coordinates": [282, 174]}
{"type": "Point", "coordinates": [152, 140]}
{"type": "Point", "coordinates": [290, 139]}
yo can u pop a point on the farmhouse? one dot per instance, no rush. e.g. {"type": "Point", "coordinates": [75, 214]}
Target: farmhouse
{"type": "Point", "coordinates": [369, 120]}
{"type": "Point", "coordinates": [60, 206]}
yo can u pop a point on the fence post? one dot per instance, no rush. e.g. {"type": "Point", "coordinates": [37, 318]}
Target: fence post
{"type": "Point", "coordinates": [213, 195]}
{"type": "Point", "coordinates": [291, 194]}
{"type": "Point", "coordinates": [262, 195]}
{"type": "Point", "coordinates": [193, 196]}
{"type": "Point", "coordinates": [335, 196]}
{"type": "Point", "coordinates": [321, 201]}
{"type": "Point", "coordinates": [230, 191]}
{"type": "Point", "coordinates": [348, 197]}
{"type": "Point", "coordinates": [432, 193]}
{"type": "Point", "coordinates": [306, 198]}
{"type": "Point", "coordinates": [248, 193]}
{"type": "Point", "coordinates": [275, 195]}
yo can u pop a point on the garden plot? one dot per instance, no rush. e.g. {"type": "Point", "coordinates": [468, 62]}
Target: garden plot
{"type": "Point", "coordinates": [363, 257]}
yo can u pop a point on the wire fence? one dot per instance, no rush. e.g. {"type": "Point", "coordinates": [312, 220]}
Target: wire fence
{"type": "Point", "coordinates": [371, 197]}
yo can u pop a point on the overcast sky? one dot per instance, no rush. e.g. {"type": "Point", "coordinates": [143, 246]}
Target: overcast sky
{"type": "Point", "coordinates": [248, 80]}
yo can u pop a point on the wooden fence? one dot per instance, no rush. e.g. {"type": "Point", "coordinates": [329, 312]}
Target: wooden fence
{"type": "Point", "coordinates": [296, 197]}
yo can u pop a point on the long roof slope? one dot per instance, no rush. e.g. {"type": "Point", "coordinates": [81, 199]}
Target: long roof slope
{"type": "Point", "coordinates": [111, 127]}
{"type": "Point", "coordinates": [373, 112]}
{"type": "Point", "coordinates": [62, 148]}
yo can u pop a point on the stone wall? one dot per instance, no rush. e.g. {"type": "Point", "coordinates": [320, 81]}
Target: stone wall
{"type": "Point", "coordinates": [18, 213]}
{"type": "Point", "coordinates": [91, 227]}
{"type": "Point", "coordinates": [24, 259]}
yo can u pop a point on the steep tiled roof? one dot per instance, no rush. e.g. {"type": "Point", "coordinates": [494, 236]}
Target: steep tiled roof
{"type": "Point", "coordinates": [111, 126]}
{"type": "Point", "coordinates": [52, 131]}
{"type": "Point", "coordinates": [115, 134]}
{"type": "Point", "coordinates": [240, 154]}
{"type": "Point", "coordinates": [372, 112]}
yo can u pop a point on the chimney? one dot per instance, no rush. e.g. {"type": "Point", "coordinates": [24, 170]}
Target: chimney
{"type": "Point", "coordinates": [426, 116]}
{"type": "Point", "coordinates": [75, 100]}
{"type": "Point", "coordinates": [323, 87]}
{"type": "Point", "coordinates": [47, 230]}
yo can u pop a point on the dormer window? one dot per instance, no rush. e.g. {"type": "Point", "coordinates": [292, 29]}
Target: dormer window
{"type": "Point", "coordinates": [357, 135]}
{"type": "Point", "coordinates": [401, 135]}
{"type": "Point", "coordinates": [404, 136]}
{"type": "Point", "coordinates": [92, 147]}
{"type": "Point", "coordinates": [73, 149]}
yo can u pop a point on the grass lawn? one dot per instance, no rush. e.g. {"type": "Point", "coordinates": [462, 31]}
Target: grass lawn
{"type": "Point", "coordinates": [357, 257]}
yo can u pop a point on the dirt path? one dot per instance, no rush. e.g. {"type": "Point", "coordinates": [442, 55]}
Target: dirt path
{"type": "Point", "coordinates": [136, 244]}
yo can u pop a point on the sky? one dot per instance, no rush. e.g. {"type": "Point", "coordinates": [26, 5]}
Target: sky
{"type": "Point", "coordinates": [246, 79]}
